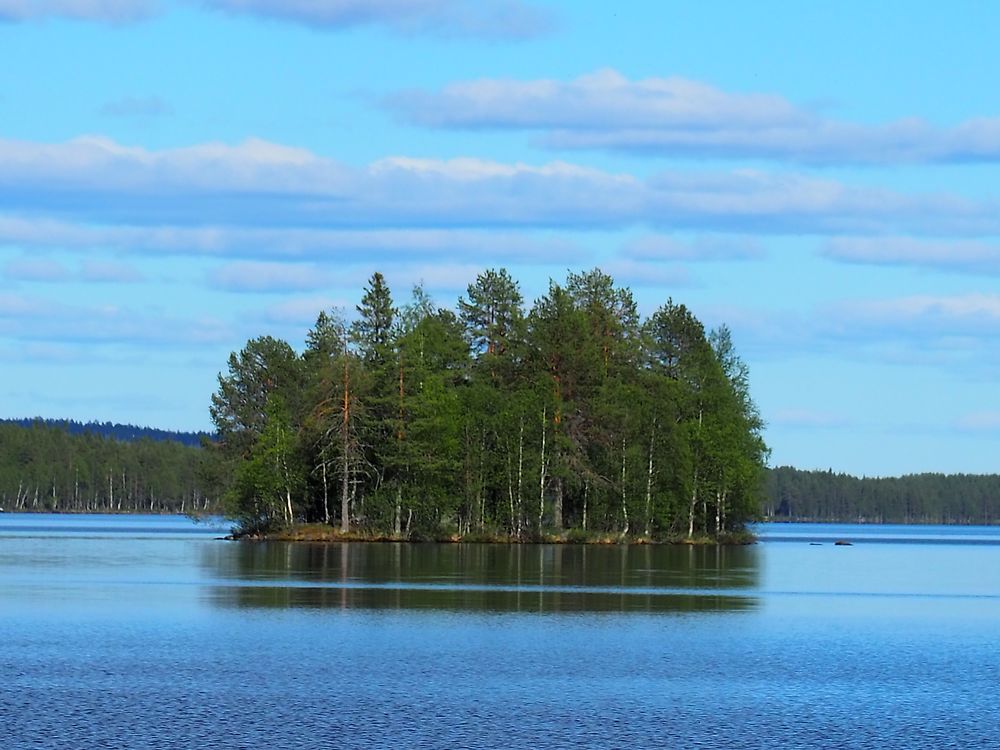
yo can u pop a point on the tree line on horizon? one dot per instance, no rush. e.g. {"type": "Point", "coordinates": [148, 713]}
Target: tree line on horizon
{"type": "Point", "coordinates": [416, 421]}
{"type": "Point", "coordinates": [825, 496]}
{"type": "Point", "coordinates": [45, 466]}
{"type": "Point", "coordinates": [121, 432]}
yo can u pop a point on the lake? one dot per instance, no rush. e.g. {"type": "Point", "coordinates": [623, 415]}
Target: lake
{"type": "Point", "coordinates": [149, 631]}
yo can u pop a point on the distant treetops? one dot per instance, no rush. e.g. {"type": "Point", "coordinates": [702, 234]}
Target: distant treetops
{"type": "Point", "coordinates": [575, 417]}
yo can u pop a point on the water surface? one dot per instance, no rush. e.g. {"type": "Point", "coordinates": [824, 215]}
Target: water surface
{"type": "Point", "coordinates": [136, 631]}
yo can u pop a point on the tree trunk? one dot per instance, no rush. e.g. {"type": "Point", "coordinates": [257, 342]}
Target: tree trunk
{"type": "Point", "coordinates": [692, 506]}
{"type": "Point", "coordinates": [326, 492]}
{"type": "Point", "coordinates": [345, 436]}
{"type": "Point", "coordinates": [510, 490]}
{"type": "Point", "coordinates": [649, 481]}
{"type": "Point", "coordinates": [541, 474]}
{"type": "Point", "coordinates": [345, 493]}
{"type": "Point", "coordinates": [624, 505]}
{"type": "Point", "coordinates": [397, 524]}
{"type": "Point", "coordinates": [557, 505]}
{"type": "Point", "coordinates": [520, 474]}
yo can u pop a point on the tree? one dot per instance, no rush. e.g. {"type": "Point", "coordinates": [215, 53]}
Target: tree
{"type": "Point", "coordinates": [265, 367]}
{"type": "Point", "coordinates": [492, 315]}
{"type": "Point", "coordinates": [567, 359]}
{"type": "Point", "coordinates": [613, 317]}
{"type": "Point", "coordinates": [372, 332]}
{"type": "Point", "coordinates": [270, 478]}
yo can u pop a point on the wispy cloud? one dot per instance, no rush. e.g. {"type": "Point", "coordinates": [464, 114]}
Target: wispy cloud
{"type": "Point", "coordinates": [963, 256]}
{"type": "Point", "coordinates": [32, 318]}
{"type": "Point", "coordinates": [36, 269]}
{"type": "Point", "coordinates": [52, 271]}
{"type": "Point", "coordinates": [280, 278]}
{"type": "Point", "coordinates": [300, 312]}
{"type": "Point", "coordinates": [681, 117]}
{"type": "Point", "coordinates": [509, 20]}
{"type": "Point", "coordinates": [260, 185]}
{"type": "Point", "coordinates": [489, 19]}
{"type": "Point", "coordinates": [808, 418]}
{"type": "Point", "coordinates": [110, 272]}
{"type": "Point", "coordinates": [134, 107]}
{"type": "Point", "coordinates": [960, 332]}
{"type": "Point", "coordinates": [104, 11]}
{"type": "Point", "coordinates": [979, 422]}
{"type": "Point", "coordinates": [249, 276]}
{"type": "Point", "coordinates": [640, 273]}
{"type": "Point", "coordinates": [923, 316]}
{"type": "Point", "coordinates": [664, 247]}
{"type": "Point", "coordinates": [387, 245]}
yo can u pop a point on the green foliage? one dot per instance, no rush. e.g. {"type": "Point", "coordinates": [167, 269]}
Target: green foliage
{"type": "Point", "coordinates": [493, 421]}
{"type": "Point", "coordinates": [267, 480]}
{"type": "Point", "coordinates": [795, 495]}
{"type": "Point", "coordinates": [45, 468]}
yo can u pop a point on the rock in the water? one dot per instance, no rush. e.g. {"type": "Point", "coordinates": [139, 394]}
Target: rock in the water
{"type": "Point", "coordinates": [843, 543]}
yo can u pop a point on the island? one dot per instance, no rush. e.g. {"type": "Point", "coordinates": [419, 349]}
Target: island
{"type": "Point", "coordinates": [577, 419]}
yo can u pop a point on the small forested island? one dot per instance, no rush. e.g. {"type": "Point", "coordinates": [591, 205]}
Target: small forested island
{"type": "Point", "coordinates": [574, 420]}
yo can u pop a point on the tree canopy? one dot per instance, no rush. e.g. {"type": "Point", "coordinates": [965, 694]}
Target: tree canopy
{"type": "Point", "coordinates": [572, 416]}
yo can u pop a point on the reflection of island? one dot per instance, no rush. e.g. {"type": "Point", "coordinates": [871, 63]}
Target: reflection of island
{"type": "Point", "coordinates": [482, 577]}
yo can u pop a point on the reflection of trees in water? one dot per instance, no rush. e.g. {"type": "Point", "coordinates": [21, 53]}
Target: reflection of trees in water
{"type": "Point", "coordinates": [484, 577]}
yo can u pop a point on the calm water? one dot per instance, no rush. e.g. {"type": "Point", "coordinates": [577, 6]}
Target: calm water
{"type": "Point", "coordinates": [134, 632]}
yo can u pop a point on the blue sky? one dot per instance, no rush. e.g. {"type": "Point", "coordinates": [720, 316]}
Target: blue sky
{"type": "Point", "coordinates": [177, 176]}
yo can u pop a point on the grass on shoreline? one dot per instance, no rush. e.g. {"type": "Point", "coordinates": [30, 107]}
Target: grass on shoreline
{"type": "Point", "coordinates": [322, 533]}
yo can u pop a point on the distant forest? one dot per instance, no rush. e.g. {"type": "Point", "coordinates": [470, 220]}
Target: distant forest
{"type": "Point", "coordinates": [48, 465]}
{"type": "Point", "coordinates": [124, 432]}
{"type": "Point", "coordinates": [795, 495]}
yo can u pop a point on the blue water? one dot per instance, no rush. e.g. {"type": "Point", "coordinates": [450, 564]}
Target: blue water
{"type": "Point", "coordinates": [135, 632]}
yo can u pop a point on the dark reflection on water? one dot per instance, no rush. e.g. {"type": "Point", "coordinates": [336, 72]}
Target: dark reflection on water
{"type": "Point", "coordinates": [481, 577]}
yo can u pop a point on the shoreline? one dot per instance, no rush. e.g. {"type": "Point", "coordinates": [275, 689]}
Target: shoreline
{"type": "Point", "coordinates": [323, 534]}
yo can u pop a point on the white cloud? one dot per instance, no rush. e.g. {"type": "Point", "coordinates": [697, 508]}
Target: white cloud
{"type": "Point", "coordinates": [680, 117]}
{"type": "Point", "coordinates": [490, 19]}
{"type": "Point", "coordinates": [807, 418]}
{"type": "Point", "coordinates": [975, 315]}
{"type": "Point", "coordinates": [259, 185]}
{"type": "Point", "coordinates": [110, 272]}
{"type": "Point", "coordinates": [438, 277]}
{"type": "Point", "coordinates": [637, 273]}
{"type": "Point", "coordinates": [36, 319]}
{"type": "Point", "coordinates": [101, 164]}
{"type": "Point", "coordinates": [965, 256]}
{"type": "Point", "coordinates": [482, 19]}
{"type": "Point", "coordinates": [249, 276]}
{"type": "Point", "coordinates": [301, 312]}
{"type": "Point", "coordinates": [36, 269]}
{"type": "Point", "coordinates": [49, 271]}
{"type": "Point", "coordinates": [291, 243]}
{"type": "Point", "coordinates": [107, 11]}
{"type": "Point", "coordinates": [662, 247]}
{"type": "Point", "coordinates": [960, 332]}
{"type": "Point", "coordinates": [979, 422]}
{"type": "Point", "coordinates": [144, 107]}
